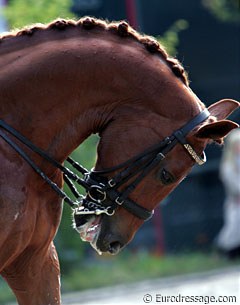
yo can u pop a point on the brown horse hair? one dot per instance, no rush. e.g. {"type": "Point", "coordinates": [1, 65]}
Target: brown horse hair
{"type": "Point", "coordinates": [122, 29]}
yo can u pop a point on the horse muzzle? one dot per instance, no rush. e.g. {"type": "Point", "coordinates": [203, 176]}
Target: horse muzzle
{"type": "Point", "coordinates": [97, 231]}
{"type": "Point", "coordinates": [110, 243]}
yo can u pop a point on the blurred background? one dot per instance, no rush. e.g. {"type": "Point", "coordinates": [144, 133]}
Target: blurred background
{"type": "Point", "coordinates": [204, 36]}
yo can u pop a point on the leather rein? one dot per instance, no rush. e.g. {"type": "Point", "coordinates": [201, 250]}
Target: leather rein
{"type": "Point", "coordinates": [102, 194]}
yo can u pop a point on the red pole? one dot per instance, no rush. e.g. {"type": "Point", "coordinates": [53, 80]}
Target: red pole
{"type": "Point", "coordinates": [131, 12]}
{"type": "Point", "coordinates": [158, 226]}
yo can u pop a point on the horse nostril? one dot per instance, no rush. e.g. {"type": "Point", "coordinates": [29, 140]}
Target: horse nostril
{"type": "Point", "coordinates": [114, 247]}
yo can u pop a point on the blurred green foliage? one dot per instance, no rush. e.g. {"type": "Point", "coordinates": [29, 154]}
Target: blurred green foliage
{"type": "Point", "coordinates": [127, 268]}
{"type": "Point", "coordinates": [24, 12]}
{"type": "Point", "coordinates": [170, 39]}
{"type": "Point", "coordinates": [224, 10]}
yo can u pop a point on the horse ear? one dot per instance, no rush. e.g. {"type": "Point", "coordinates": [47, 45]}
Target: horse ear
{"type": "Point", "coordinates": [223, 108]}
{"type": "Point", "coordinates": [216, 131]}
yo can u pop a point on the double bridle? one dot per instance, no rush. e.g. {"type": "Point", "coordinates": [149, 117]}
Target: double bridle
{"type": "Point", "coordinates": [102, 194]}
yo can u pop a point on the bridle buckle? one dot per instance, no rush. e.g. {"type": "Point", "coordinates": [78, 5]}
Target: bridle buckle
{"type": "Point", "coordinates": [111, 183]}
{"type": "Point", "coordinates": [118, 201]}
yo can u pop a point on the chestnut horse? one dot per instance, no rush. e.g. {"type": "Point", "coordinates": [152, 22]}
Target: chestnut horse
{"type": "Point", "coordinates": [62, 82]}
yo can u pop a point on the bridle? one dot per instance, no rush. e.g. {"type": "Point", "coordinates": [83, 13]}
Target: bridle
{"type": "Point", "coordinates": [102, 194]}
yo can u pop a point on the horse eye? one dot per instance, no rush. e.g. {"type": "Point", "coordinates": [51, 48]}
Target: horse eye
{"type": "Point", "coordinates": [166, 177]}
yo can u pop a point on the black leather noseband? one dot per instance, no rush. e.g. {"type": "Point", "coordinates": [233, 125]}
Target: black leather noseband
{"type": "Point", "coordinates": [102, 194]}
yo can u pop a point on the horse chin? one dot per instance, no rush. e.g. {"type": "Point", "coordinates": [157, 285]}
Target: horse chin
{"type": "Point", "coordinates": [90, 231]}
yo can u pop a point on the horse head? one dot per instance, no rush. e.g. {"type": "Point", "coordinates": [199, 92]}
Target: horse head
{"type": "Point", "coordinates": [112, 231]}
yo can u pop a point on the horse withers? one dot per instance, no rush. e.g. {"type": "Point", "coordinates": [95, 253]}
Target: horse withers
{"type": "Point", "coordinates": [60, 83]}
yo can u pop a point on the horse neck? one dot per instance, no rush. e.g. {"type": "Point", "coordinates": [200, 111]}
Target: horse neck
{"type": "Point", "coordinates": [58, 99]}
{"type": "Point", "coordinates": [66, 89]}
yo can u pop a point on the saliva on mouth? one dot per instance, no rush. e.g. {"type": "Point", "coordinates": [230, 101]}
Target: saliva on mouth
{"type": "Point", "coordinates": [88, 226]}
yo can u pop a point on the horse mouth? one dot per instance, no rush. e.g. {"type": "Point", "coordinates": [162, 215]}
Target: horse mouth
{"type": "Point", "coordinates": [95, 230]}
{"type": "Point", "coordinates": [90, 231]}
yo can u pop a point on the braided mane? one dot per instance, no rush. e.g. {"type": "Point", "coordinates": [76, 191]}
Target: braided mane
{"type": "Point", "coordinates": [122, 29]}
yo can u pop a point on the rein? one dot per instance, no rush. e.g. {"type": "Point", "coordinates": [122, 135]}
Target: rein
{"type": "Point", "coordinates": [102, 194]}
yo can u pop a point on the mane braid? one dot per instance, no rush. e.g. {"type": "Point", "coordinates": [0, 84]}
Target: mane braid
{"type": "Point", "coordinates": [122, 29]}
